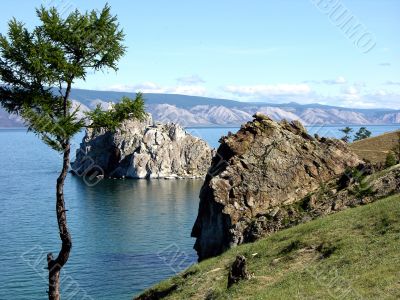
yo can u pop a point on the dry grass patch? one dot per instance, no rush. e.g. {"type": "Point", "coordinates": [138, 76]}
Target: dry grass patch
{"type": "Point", "coordinates": [376, 149]}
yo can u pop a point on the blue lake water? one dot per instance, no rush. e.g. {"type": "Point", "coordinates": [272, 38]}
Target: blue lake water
{"type": "Point", "coordinates": [127, 234]}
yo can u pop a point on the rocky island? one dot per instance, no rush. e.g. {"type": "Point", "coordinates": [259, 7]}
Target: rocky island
{"type": "Point", "coordinates": [143, 149]}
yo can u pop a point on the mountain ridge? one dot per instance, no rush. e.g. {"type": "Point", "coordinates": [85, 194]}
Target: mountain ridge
{"type": "Point", "coordinates": [196, 111]}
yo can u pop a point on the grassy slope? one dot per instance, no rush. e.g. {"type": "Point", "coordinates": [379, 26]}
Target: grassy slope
{"type": "Point", "coordinates": [354, 254]}
{"type": "Point", "coordinates": [376, 148]}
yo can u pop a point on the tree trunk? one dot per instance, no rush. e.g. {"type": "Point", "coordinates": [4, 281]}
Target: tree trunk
{"type": "Point", "coordinates": [55, 265]}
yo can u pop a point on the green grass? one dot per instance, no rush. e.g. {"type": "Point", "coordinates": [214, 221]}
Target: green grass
{"type": "Point", "coordinates": [354, 254]}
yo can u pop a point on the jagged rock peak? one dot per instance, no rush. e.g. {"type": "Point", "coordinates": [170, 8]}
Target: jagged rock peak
{"type": "Point", "coordinates": [263, 166]}
{"type": "Point", "coordinates": [143, 149]}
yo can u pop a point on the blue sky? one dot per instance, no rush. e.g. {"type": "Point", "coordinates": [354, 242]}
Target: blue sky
{"type": "Point", "coordinates": [332, 52]}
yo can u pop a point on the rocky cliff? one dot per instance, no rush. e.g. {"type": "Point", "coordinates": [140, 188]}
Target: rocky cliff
{"type": "Point", "coordinates": [264, 166]}
{"type": "Point", "coordinates": [143, 150]}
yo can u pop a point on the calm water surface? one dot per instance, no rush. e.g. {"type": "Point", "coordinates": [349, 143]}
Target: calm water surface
{"type": "Point", "coordinates": [127, 234]}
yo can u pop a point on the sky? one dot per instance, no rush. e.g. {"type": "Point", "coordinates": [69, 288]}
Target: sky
{"type": "Point", "coordinates": [336, 52]}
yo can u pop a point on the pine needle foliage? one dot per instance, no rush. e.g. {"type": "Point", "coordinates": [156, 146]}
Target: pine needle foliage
{"type": "Point", "coordinates": [39, 67]}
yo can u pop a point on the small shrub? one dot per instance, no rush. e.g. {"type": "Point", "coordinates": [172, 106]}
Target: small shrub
{"type": "Point", "coordinates": [390, 160]}
{"type": "Point", "coordinates": [396, 149]}
{"type": "Point", "coordinates": [364, 190]}
{"type": "Point", "coordinates": [354, 175]}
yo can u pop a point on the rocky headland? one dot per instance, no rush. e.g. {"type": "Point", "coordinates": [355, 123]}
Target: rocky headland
{"type": "Point", "coordinates": [143, 149]}
{"type": "Point", "coordinates": [258, 171]}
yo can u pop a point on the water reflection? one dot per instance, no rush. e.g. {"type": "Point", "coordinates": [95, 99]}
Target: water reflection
{"type": "Point", "coordinates": [122, 225]}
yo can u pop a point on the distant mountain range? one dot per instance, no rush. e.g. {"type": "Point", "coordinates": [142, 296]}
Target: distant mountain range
{"type": "Point", "coordinates": [202, 111]}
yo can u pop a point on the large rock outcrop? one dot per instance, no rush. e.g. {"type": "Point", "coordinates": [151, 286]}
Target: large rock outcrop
{"type": "Point", "coordinates": [141, 149]}
{"type": "Point", "coordinates": [262, 167]}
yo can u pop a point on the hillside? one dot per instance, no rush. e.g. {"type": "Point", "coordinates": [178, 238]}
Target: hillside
{"type": "Point", "coordinates": [352, 254]}
{"type": "Point", "coordinates": [202, 111]}
{"type": "Point", "coordinates": [375, 149]}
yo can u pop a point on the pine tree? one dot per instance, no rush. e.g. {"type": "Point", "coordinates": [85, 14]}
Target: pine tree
{"type": "Point", "coordinates": [37, 71]}
{"type": "Point", "coordinates": [347, 130]}
{"type": "Point", "coordinates": [362, 133]}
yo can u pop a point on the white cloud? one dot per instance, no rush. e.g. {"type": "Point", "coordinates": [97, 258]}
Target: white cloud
{"type": "Point", "coordinates": [390, 82]}
{"type": "Point", "coordinates": [351, 94]}
{"type": "Point", "coordinates": [338, 80]}
{"type": "Point", "coordinates": [358, 104]}
{"type": "Point", "coordinates": [360, 84]}
{"type": "Point", "coordinates": [132, 87]}
{"type": "Point", "coordinates": [352, 97]}
{"type": "Point", "coordinates": [351, 90]}
{"type": "Point", "coordinates": [190, 80]}
{"type": "Point", "coordinates": [187, 90]}
{"type": "Point", "coordinates": [267, 90]}
{"type": "Point", "coordinates": [151, 87]}
{"type": "Point", "coordinates": [383, 98]}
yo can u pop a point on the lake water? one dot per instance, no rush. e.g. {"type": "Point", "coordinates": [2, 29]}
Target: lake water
{"type": "Point", "coordinates": [127, 234]}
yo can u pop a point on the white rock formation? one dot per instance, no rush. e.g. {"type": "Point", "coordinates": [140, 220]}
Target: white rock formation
{"type": "Point", "coordinates": [143, 150]}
